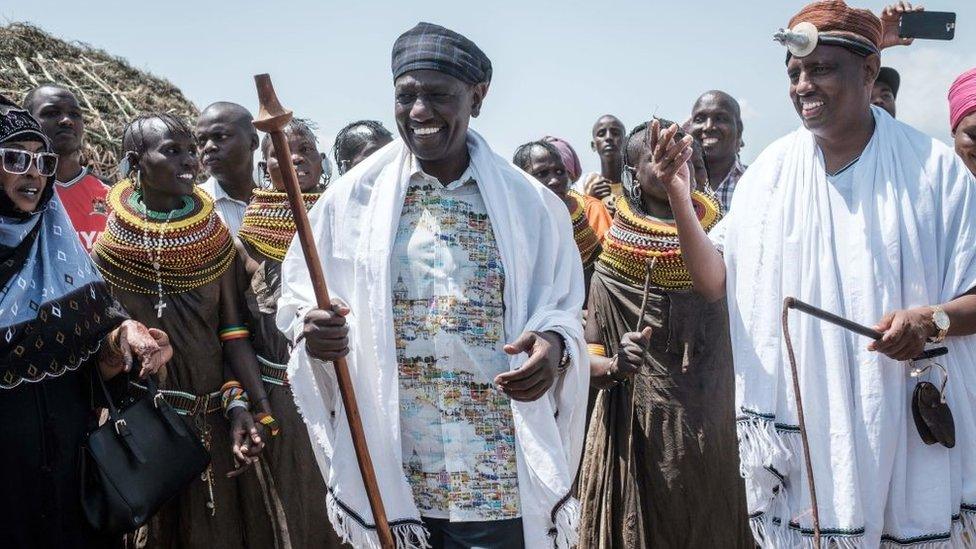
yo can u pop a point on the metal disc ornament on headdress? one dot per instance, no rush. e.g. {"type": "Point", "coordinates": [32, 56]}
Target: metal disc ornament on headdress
{"type": "Point", "coordinates": [801, 40]}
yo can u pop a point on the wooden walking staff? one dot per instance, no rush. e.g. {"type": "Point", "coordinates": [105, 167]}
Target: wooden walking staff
{"type": "Point", "coordinates": [272, 119]}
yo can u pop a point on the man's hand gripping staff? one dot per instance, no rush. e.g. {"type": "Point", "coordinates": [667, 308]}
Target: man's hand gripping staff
{"type": "Point", "coordinates": [328, 319]}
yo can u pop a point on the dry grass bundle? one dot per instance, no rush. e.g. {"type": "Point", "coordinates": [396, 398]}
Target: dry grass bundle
{"type": "Point", "coordinates": [111, 91]}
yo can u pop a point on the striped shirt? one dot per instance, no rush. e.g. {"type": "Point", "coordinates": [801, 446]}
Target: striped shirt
{"type": "Point", "coordinates": [229, 209]}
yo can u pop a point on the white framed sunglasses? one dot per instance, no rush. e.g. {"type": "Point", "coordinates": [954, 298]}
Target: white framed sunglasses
{"type": "Point", "coordinates": [18, 161]}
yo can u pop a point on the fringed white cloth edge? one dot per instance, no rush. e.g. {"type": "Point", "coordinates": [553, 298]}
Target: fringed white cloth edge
{"type": "Point", "coordinates": [566, 516]}
{"type": "Point", "coordinates": [763, 443]}
{"type": "Point", "coordinates": [411, 534]}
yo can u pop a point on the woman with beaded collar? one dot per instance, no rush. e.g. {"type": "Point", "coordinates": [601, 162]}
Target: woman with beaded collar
{"type": "Point", "coordinates": [590, 218]}
{"type": "Point", "coordinates": [169, 260]}
{"type": "Point", "coordinates": [266, 232]}
{"type": "Point", "coordinates": [660, 452]}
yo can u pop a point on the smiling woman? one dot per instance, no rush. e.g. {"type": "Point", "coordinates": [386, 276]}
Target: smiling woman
{"type": "Point", "coordinates": [60, 326]}
{"type": "Point", "coordinates": [171, 262]}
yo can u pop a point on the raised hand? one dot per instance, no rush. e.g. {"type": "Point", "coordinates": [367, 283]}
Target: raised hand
{"type": "Point", "coordinates": [600, 188]}
{"type": "Point", "coordinates": [669, 160]}
{"type": "Point", "coordinates": [890, 21]}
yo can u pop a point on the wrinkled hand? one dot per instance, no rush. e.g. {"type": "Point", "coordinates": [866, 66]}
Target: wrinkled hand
{"type": "Point", "coordinates": [150, 345]}
{"type": "Point", "coordinates": [247, 440]}
{"type": "Point", "coordinates": [165, 352]}
{"type": "Point", "coordinates": [669, 160]}
{"type": "Point", "coordinates": [600, 188]}
{"type": "Point", "coordinates": [905, 333]}
{"type": "Point", "coordinates": [538, 373]}
{"type": "Point", "coordinates": [630, 357]}
{"type": "Point", "coordinates": [326, 333]}
{"type": "Point", "coordinates": [890, 20]}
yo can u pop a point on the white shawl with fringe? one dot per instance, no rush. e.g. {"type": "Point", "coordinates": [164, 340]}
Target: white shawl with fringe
{"type": "Point", "coordinates": [909, 240]}
{"type": "Point", "coordinates": [354, 225]}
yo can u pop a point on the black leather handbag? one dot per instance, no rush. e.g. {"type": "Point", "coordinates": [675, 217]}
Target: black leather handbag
{"type": "Point", "coordinates": [138, 460]}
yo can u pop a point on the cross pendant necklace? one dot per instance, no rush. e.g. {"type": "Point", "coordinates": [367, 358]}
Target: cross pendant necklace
{"type": "Point", "coordinates": [156, 261]}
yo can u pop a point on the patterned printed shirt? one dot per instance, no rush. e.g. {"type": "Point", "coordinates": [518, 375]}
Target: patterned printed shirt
{"type": "Point", "coordinates": [726, 188]}
{"type": "Point", "coordinates": [458, 436]}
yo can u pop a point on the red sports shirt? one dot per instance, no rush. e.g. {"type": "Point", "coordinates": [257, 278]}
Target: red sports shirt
{"type": "Point", "coordinates": [84, 198]}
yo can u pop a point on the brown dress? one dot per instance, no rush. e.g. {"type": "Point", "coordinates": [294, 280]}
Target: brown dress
{"type": "Point", "coordinates": [663, 472]}
{"type": "Point", "coordinates": [294, 480]}
{"type": "Point", "coordinates": [191, 320]}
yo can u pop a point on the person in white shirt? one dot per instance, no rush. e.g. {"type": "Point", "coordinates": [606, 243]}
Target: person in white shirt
{"type": "Point", "coordinates": [226, 141]}
{"type": "Point", "coordinates": [866, 217]}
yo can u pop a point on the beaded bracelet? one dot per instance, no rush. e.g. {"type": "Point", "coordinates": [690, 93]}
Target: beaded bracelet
{"type": "Point", "coordinates": [269, 421]}
{"type": "Point", "coordinates": [233, 393]}
{"type": "Point", "coordinates": [228, 333]}
{"type": "Point", "coordinates": [234, 404]}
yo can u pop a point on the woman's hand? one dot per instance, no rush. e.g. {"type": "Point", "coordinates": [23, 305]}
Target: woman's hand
{"type": "Point", "coordinates": [246, 438]}
{"type": "Point", "coordinates": [130, 341]}
{"type": "Point", "coordinates": [630, 358]}
{"type": "Point", "coordinates": [600, 188]}
{"type": "Point", "coordinates": [669, 160]}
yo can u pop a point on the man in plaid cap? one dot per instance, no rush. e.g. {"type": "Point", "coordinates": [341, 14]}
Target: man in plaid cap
{"type": "Point", "coordinates": [462, 287]}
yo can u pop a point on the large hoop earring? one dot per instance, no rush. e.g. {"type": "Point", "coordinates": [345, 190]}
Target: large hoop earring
{"type": "Point", "coordinates": [635, 191]}
{"type": "Point", "coordinates": [138, 181]}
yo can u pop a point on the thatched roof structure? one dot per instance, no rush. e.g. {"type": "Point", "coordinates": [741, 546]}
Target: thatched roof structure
{"type": "Point", "coordinates": [111, 91]}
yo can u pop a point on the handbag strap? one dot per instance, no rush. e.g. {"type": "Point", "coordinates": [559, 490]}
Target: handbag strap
{"type": "Point", "coordinates": [118, 422]}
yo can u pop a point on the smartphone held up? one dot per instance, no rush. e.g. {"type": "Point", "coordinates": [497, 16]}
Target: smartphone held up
{"type": "Point", "coordinates": [930, 25]}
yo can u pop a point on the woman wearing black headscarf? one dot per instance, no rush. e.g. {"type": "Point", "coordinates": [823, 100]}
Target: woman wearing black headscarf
{"type": "Point", "coordinates": [57, 322]}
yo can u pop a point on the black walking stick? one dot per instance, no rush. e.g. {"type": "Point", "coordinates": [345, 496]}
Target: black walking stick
{"type": "Point", "coordinates": [793, 303]}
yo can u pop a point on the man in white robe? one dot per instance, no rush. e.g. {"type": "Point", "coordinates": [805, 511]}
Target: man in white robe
{"type": "Point", "coordinates": [863, 216]}
{"type": "Point", "coordinates": [462, 289]}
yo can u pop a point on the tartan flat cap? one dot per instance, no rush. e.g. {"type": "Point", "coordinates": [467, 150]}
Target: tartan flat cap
{"type": "Point", "coordinates": [433, 47]}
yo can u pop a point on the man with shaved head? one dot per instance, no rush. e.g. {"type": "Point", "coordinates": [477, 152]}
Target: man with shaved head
{"type": "Point", "coordinates": [716, 123]}
{"type": "Point", "coordinates": [608, 135]}
{"type": "Point", "coordinates": [226, 141]}
{"type": "Point", "coordinates": [82, 194]}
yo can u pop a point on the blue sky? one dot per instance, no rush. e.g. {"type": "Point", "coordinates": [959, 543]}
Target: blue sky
{"type": "Point", "coordinates": [557, 65]}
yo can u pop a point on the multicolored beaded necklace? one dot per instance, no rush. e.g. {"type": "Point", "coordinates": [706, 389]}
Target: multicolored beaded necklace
{"type": "Point", "coordinates": [634, 237]}
{"type": "Point", "coordinates": [586, 239]}
{"type": "Point", "coordinates": [163, 252]}
{"type": "Point", "coordinates": [268, 224]}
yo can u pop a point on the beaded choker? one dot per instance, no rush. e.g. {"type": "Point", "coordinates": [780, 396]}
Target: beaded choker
{"type": "Point", "coordinates": [162, 253]}
{"type": "Point", "coordinates": [635, 237]}
{"type": "Point", "coordinates": [268, 224]}
{"type": "Point", "coordinates": [586, 239]}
